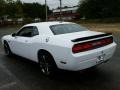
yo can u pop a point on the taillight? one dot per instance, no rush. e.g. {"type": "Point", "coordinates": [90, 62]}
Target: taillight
{"type": "Point", "coordinates": [80, 47]}
{"type": "Point", "coordinates": [91, 45]}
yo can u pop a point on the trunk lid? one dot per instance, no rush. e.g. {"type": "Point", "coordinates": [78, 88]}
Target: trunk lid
{"type": "Point", "coordinates": [87, 40]}
{"type": "Point", "coordinates": [82, 36]}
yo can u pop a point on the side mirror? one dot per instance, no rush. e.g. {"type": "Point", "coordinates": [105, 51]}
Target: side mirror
{"type": "Point", "coordinates": [14, 34]}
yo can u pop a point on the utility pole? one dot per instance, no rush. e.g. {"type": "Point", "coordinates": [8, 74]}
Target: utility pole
{"type": "Point", "coordinates": [46, 10]}
{"type": "Point", "coordinates": [60, 10]}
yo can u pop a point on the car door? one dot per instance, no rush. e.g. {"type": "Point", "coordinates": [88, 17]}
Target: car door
{"type": "Point", "coordinates": [24, 40]}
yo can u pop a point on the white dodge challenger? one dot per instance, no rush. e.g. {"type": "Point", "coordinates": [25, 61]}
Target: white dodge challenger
{"type": "Point", "coordinates": [60, 45]}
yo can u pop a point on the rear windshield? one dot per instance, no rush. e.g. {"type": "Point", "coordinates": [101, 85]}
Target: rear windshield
{"type": "Point", "coordinates": [66, 28]}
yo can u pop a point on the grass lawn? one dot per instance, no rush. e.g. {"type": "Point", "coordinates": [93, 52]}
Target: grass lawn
{"type": "Point", "coordinates": [111, 27]}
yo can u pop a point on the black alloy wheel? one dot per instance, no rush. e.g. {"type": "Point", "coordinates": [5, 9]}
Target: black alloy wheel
{"type": "Point", "coordinates": [47, 64]}
{"type": "Point", "coordinates": [7, 49]}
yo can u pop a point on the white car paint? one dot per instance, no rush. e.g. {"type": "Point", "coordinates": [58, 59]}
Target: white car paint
{"type": "Point", "coordinates": [59, 46]}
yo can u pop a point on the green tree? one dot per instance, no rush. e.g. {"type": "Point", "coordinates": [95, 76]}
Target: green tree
{"type": "Point", "coordinates": [19, 9]}
{"type": "Point", "coordinates": [34, 10]}
{"type": "Point", "coordinates": [99, 8]}
{"type": "Point", "coordinates": [2, 8]}
{"type": "Point", "coordinates": [10, 8]}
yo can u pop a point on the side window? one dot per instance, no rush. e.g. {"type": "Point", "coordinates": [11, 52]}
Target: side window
{"type": "Point", "coordinates": [28, 31]}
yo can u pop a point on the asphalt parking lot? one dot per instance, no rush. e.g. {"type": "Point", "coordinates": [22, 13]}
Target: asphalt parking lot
{"type": "Point", "coordinates": [17, 73]}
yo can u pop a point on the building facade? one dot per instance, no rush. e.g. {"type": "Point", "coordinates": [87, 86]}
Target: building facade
{"type": "Point", "coordinates": [69, 13]}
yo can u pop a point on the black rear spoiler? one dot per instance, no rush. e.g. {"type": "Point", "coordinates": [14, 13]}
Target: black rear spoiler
{"type": "Point", "coordinates": [91, 37]}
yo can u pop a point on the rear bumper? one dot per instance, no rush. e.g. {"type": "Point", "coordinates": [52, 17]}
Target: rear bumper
{"type": "Point", "coordinates": [88, 59]}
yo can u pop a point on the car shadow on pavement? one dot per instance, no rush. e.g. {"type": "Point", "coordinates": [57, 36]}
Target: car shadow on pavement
{"type": "Point", "coordinates": [29, 73]}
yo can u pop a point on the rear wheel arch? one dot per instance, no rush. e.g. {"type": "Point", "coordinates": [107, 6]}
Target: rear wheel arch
{"type": "Point", "coordinates": [48, 65]}
{"type": "Point", "coordinates": [45, 51]}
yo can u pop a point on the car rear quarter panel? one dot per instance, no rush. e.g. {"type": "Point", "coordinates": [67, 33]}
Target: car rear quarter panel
{"type": "Point", "coordinates": [88, 59]}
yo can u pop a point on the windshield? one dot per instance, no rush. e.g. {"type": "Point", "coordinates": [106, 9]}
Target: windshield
{"type": "Point", "coordinates": [66, 28]}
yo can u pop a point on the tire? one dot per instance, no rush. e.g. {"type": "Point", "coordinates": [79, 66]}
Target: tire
{"type": "Point", "coordinates": [47, 64]}
{"type": "Point", "coordinates": [7, 49]}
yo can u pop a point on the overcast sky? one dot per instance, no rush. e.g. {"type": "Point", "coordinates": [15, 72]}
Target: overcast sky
{"type": "Point", "coordinates": [55, 3]}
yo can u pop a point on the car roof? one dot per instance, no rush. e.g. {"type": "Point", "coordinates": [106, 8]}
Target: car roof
{"type": "Point", "coordinates": [43, 27]}
{"type": "Point", "coordinates": [48, 23]}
